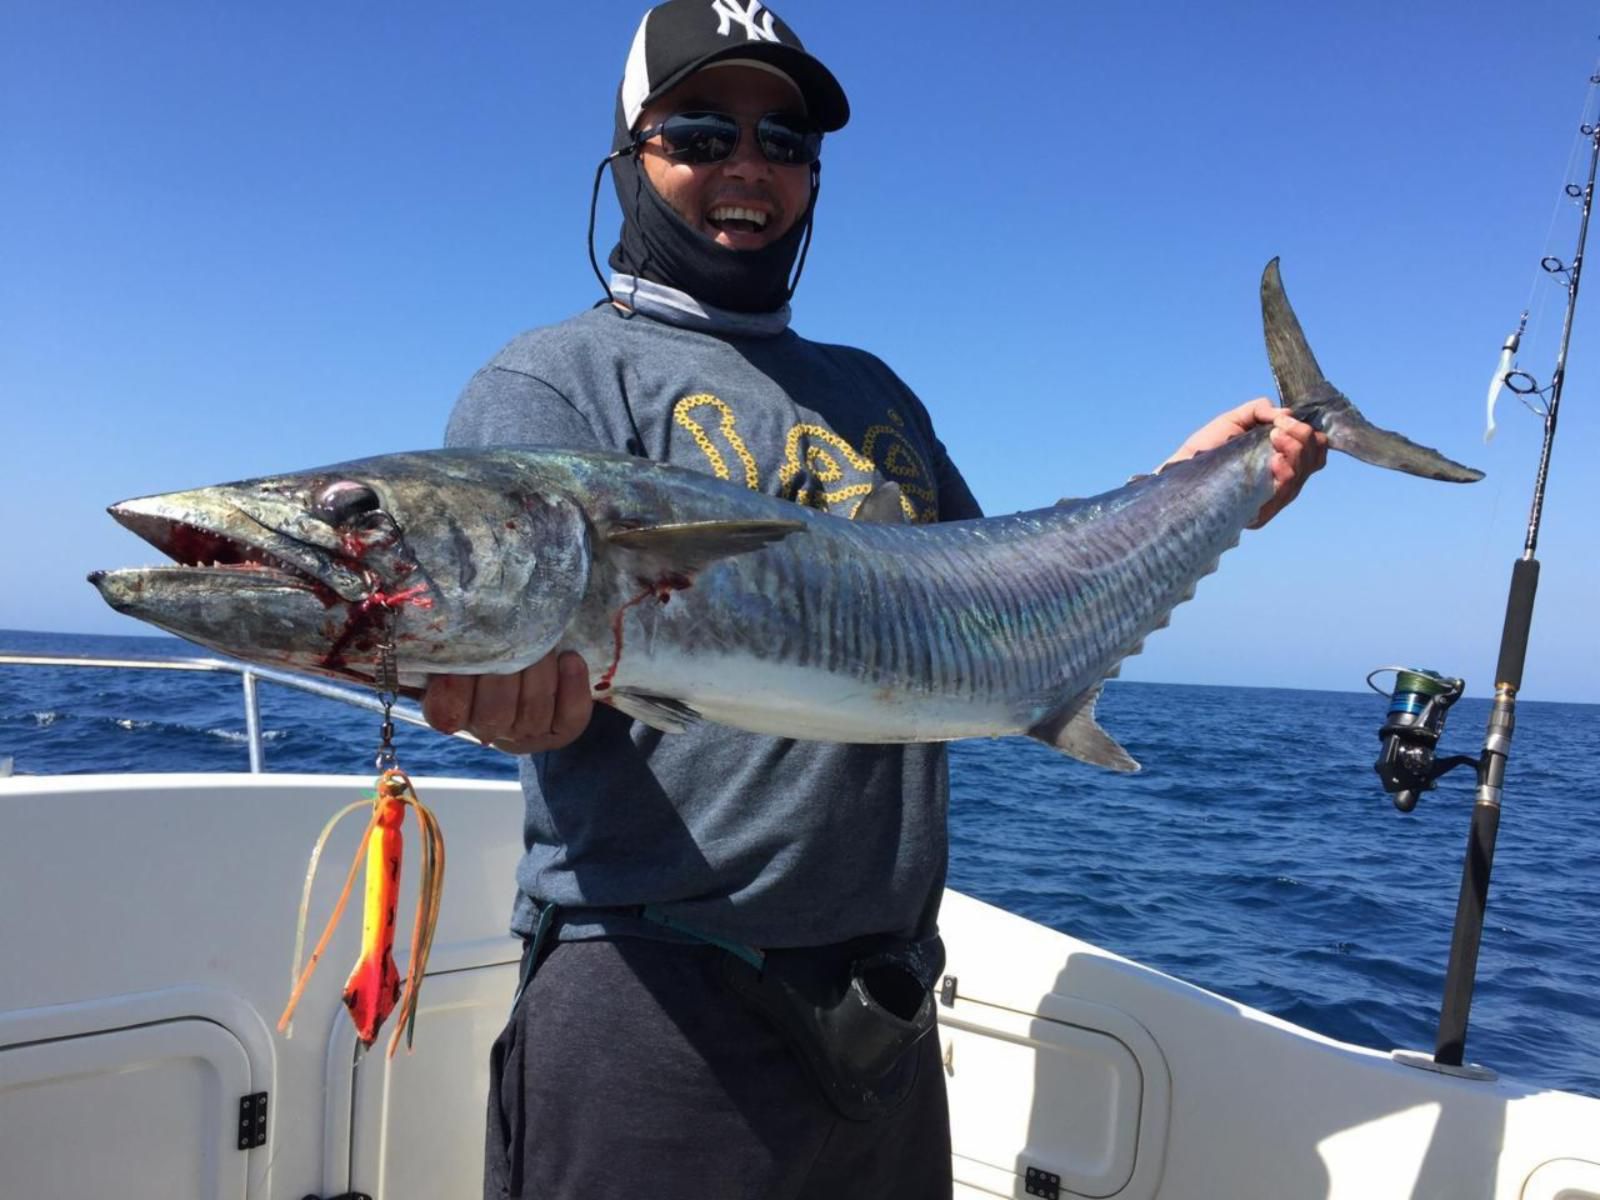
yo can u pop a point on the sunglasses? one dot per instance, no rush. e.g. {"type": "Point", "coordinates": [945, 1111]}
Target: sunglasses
{"type": "Point", "coordinates": [698, 138]}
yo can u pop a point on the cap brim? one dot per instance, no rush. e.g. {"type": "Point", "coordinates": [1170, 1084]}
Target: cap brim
{"type": "Point", "coordinates": [825, 99]}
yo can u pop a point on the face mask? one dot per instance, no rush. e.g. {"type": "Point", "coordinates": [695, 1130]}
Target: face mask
{"type": "Point", "coordinates": [659, 245]}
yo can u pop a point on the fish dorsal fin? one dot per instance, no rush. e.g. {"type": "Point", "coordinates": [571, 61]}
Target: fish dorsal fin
{"type": "Point", "coordinates": [883, 504]}
{"type": "Point", "coordinates": [665, 713]}
{"type": "Point", "coordinates": [692, 545]}
{"type": "Point", "coordinates": [1073, 730]}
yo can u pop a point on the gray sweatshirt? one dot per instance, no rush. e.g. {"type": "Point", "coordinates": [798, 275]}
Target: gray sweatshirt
{"type": "Point", "coordinates": [762, 841]}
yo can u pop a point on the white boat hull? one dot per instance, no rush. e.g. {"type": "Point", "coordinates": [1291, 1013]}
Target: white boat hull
{"type": "Point", "coordinates": [148, 936]}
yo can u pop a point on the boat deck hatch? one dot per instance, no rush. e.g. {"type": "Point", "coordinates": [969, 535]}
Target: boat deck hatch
{"type": "Point", "coordinates": [146, 1113]}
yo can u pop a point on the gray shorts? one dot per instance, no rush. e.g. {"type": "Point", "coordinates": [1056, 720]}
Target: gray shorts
{"type": "Point", "coordinates": [630, 1069]}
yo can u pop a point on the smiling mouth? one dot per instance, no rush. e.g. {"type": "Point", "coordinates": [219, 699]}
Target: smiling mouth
{"type": "Point", "coordinates": [736, 218]}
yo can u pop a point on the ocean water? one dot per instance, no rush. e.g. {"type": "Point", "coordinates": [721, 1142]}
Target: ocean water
{"type": "Point", "coordinates": [1255, 855]}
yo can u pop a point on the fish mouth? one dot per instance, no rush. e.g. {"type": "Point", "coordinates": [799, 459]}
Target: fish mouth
{"type": "Point", "coordinates": [241, 584]}
{"type": "Point", "coordinates": [206, 557]}
{"type": "Point", "coordinates": [225, 544]}
{"type": "Point", "coordinates": [221, 573]}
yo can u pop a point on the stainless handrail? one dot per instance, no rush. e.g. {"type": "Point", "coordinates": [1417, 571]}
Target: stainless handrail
{"type": "Point", "coordinates": [248, 675]}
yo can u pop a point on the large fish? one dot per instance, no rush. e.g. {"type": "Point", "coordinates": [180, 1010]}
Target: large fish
{"type": "Point", "coordinates": [693, 598]}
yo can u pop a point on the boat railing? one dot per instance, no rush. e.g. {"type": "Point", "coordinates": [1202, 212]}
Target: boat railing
{"type": "Point", "coordinates": [249, 675]}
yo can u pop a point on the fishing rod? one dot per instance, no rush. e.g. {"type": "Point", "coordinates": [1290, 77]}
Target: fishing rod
{"type": "Point", "coordinates": [1421, 699]}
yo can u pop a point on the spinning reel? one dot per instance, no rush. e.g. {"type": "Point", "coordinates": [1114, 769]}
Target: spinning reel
{"type": "Point", "coordinates": [1418, 705]}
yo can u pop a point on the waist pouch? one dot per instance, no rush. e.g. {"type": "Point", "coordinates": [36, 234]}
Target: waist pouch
{"type": "Point", "coordinates": [850, 1012]}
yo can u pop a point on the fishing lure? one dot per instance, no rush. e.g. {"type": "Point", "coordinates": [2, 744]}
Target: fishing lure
{"type": "Point", "coordinates": [1503, 372]}
{"type": "Point", "coordinates": [374, 989]}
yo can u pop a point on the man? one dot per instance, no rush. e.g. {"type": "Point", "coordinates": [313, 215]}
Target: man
{"type": "Point", "coordinates": [692, 902]}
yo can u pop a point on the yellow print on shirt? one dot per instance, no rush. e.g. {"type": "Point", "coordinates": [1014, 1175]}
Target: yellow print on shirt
{"type": "Point", "coordinates": [719, 464]}
{"type": "Point", "coordinates": [809, 468]}
{"type": "Point", "coordinates": [820, 469]}
{"type": "Point", "coordinates": [902, 464]}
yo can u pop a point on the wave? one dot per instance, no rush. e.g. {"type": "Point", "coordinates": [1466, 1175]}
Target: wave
{"type": "Point", "coordinates": [239, 735]}
{"type": "Point", "coordinates": [44, 720]}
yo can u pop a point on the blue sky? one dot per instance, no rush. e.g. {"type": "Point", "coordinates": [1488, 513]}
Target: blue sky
{"type": "Point", "coordinates": [237, 239]}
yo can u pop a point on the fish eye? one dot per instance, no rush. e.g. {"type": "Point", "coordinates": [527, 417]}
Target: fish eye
{"type": "Point", "coordinates": [339, 503]}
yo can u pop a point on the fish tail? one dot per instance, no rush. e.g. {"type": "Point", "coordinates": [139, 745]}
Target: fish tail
{"type": "Point", "coordinates": [373, 988]}
{"type": "Point", "coordinates": [1304, 390]}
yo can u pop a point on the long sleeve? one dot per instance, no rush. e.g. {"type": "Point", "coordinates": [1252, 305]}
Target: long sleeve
{"type": "Point", "coordinates": [505, 407]}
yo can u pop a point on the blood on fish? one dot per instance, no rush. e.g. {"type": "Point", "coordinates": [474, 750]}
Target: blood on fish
{"type": "Point", "coordinates": [660, 590]}
{"type": "Point", "coordinates": [416, 596]}
{"type": "Point", "coordinates": [610, 672]}
{"type": "Point", "coordinates": [362, 616]}
{"type": "Point", "coordinates": [667, 584]}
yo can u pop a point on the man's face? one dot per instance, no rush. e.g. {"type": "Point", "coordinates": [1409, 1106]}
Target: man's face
{"type": "Point", "coordinates": [743, 202]}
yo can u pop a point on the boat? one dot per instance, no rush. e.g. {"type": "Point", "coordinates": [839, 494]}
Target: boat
{"type": "Point", "coordinates": [147, 954]}
{"type": "Point", "coordinates": [147, 950]}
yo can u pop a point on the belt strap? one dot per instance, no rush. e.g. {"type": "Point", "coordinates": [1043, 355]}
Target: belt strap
{"type": "Point", "coordinates": [534, 947]}
{"type": "Point", "coordinates": [739, 950]}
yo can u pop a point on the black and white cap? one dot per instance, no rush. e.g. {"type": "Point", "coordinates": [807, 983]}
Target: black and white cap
{"type": "Point", "coordinates": [680, 37]}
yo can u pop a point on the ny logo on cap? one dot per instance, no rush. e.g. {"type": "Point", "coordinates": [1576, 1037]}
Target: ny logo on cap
{"type": "Point", "coordinates": [729, 11]}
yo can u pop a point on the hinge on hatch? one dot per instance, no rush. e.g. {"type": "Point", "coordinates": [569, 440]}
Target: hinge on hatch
{"type": "Point", "coordinates": [1042, 1183]}
{"type": "Point", "coordinates": [252, 1120]}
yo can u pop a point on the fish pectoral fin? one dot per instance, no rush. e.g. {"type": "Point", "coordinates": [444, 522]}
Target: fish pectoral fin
{"type": "Point", "coordinates": [665, 713]}
{"type": "Point", "coordinates": [1073, 730]}
{"type": "Point", "coordinates": [690, 546]}
{"type": "Point", "coordinates": [883, 504]}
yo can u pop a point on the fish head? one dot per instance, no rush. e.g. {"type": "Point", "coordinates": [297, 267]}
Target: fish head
{"type": "Point", "coordinates": [464, 563]}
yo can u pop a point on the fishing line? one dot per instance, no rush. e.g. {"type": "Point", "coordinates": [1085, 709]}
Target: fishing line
{"type": "Point", "coordinates": [1536, 298]}
{"type": "Point", "coordinates": [1416, 717]}
{"type": "Point", "coordinates": [1508, 375]}
{"type": "Point", "coordinates": [1588, 114]}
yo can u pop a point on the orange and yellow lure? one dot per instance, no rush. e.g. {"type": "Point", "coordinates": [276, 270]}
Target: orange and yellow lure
{"type": "Point", "coordinates": [374, 989]}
